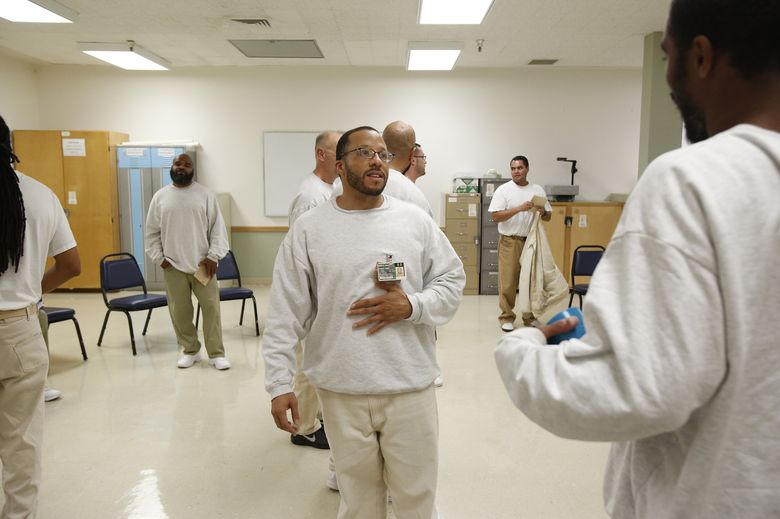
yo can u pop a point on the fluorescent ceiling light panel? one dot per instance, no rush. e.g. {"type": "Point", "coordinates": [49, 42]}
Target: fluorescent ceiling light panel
{"type": "Point", "coordinates": [453, 12]}
{"type": "Point", "coordinates": [128, 56]}
{"type": "Point", "coordinates": [425, 59]}
{"type": "Point", "coordinates": [37, 11]}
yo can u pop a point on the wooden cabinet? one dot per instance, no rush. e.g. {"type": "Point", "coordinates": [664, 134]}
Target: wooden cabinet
{"type": "Point", "coordinates": [580, 223]}
{"type": "Point", "coordinates": [80, 167]}
{"type": "Point", "coordinates": [462, 229]}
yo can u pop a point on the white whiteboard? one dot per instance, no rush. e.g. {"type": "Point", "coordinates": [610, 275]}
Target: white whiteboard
{"type": "Point", "coordinates": [287, 158]}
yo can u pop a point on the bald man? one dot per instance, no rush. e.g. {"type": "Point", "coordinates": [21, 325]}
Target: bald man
{"type": "Point", "coordinates": [184, 232]}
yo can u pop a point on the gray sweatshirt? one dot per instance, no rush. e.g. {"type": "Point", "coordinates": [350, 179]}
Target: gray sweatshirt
{"type": "Point", "coordinates": [326, 263]}
{"type": "Point", "coordinates": [184, 226]}
{"type": "Point", "coordinates": [680, 365]}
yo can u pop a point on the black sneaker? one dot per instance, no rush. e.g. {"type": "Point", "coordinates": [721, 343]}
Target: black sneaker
{"type": "Point", "coordinates": [318, 439]}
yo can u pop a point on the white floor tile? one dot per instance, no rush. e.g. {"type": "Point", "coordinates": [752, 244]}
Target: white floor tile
{"type": "Point", "coordinates": [135, 437]}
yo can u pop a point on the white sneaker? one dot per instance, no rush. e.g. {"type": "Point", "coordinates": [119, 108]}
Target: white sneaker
{"type": "Point", "coordinates": [186, 360]}
{"type": "Point", "coordinates": [50, 394]}
{"type": "Point", "coordinates": [439, 381]}
{"type": "Point", "coordinates": [507, 327]}
{"type": "Point", "coordinates": [331, 482]}
{"type": "Point", "coordinates": [220, 363]}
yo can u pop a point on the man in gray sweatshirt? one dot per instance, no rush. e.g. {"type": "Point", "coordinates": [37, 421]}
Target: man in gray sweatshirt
{"type": "Point", "coordinates": [680, 365]}
{"type": "Point", "coordinates": [186, 235]}
{"type": "Point", "coordinates": [369, 345]}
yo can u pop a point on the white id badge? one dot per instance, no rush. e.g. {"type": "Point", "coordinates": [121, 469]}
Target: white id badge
{"type": "Point", "coordinates": [390, 271]}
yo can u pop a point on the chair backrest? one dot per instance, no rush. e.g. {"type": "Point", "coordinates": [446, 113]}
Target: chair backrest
{"type": "Point", "coordinates": [585, 259]}
{"type": "Point", "coordinates": [119, 273]}
{"type": "Point", "coordinates": [228, 268]}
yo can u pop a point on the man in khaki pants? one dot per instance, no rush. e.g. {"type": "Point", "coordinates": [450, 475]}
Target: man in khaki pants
{"type": "Point", "coordinates": [316, 189]}
{"type": "Point", "coordinates": [370, 348]}
{"type": "Point", "coordinates": [32, 227]}
{"type": "Point", "coordinates": [512, 209]}
{"type": "Point", "coordinates": [186, 236]}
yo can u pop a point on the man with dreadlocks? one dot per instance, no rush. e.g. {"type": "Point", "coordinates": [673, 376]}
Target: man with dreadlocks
{"type": "Point", "coordinates": [32, 227]}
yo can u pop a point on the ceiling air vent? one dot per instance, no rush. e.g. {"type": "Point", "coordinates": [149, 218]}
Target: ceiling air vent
{"type": "Point", "coordinates": [278, 48]}
{"type": "Point", "coordinates": [259, 22]}
{"type": "Point", "coordinates": [543, 62]}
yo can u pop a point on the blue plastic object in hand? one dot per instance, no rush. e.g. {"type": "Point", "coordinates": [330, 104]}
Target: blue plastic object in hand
{"type": "Point", "coordinates": [575, 333]}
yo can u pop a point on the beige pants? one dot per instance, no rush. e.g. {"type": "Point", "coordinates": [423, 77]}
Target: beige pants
{"type": "Point", "coordinates": [510, 248]}
{"type": "Point", "coordinates": [384, 443]}
{"type": "Point", "coordinates": [180, 287]}
{"type": "Point", "coordinates": [23, 365]}
{"type": "Point", "coordinates": [308, 403]}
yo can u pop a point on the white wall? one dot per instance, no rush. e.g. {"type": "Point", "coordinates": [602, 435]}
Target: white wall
{"type": "Point", "coordinates": [18, 94]}
{"type": "Point", "coordinates": [468, 121]}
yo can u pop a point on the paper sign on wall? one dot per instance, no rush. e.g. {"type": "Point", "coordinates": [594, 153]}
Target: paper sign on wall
{"type": "Point", "coordinates": [72, 198]}
{"type": "Point", "coordinates": [74, 148]}
{"type": "Point", "coordinates": [583, 222]}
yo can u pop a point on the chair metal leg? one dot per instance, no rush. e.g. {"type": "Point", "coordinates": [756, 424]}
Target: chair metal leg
{"type": "Point", "coordinates": [571, 298]}
{"type": "Point", "coordinates": [241, 319]}
{"type": "Point", "coordinates": [103, 329]}
{"type": "Point", "coordinates": [257, 326]}
{"type": "Point", "coordinates": [146, 325]}
{"type": "Point", "coordinates": [132, 335]}
{"type": "Point", "coordinates": [580, 296]}
{"type": "Point", "coordinates": [197, 316]}
{"type": "Point", "coordinates": [81, 340]}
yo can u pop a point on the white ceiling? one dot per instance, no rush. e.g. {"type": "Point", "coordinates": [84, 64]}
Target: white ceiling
{"type": "Point", "coordinates": [195, 33]}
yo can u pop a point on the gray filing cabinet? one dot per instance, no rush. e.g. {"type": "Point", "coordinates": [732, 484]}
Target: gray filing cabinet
{"type": "Point", "coordinates": [488, 274]}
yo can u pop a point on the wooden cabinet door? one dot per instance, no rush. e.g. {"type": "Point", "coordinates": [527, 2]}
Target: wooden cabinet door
{"type": "Point", "coordinates": [85, 181]}
{"type": "Point", "coordinates": [91, 200]}
{"type": "Point", "coordinates": [40, 153]}
{"type": "Point", "coordinates": [592, 224]}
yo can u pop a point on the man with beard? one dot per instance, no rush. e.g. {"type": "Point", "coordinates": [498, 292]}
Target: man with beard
{"type": "Point", "coordinates": [369, 344]}
{"type": "Point", "coordinates": [680, 365]}
{"type": "Point", "coordinates": [399, 138]}
{"type": "Point", "coordinates": [185, 234]}
{"type": "Point", "coordinates": [512, 207]}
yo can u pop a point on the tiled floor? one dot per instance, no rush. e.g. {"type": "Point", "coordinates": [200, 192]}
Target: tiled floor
{"type": "Point", "coordinates": [135, 437]}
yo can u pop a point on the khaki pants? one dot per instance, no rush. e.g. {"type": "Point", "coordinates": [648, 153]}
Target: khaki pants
{"type": "Point", "coordinates": [308, 403]}
{"type": "Point", "coordinates": [510, 248]}
{"type": "Point", "coordinates": [384, 443]}
{"type": "Point", "coordinates": [180, 287]}
{"type": "Point", "coordinates": [23, 366]}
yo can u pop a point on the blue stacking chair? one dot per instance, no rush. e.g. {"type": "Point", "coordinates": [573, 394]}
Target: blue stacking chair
{"type": "Point", "coordinates": [584, 262]}
{"type": "Point", "coordinates": [120, 273]}
{"type": "Point", "coordinates": [228, 269]}
{"type": "Point", "coordinates": [57, 315]}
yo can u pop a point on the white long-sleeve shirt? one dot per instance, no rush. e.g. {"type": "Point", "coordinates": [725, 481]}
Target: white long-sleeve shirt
{"type": "Point", "coordinates": [184, 225]}
{"type": "Point", "coordinates": [326, 263]}
{"type": "Point", "coordinates": [680, 365]}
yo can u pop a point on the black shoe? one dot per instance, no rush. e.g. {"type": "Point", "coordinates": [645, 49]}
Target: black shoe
{"type": "Point", "coordinates": [318, 439]}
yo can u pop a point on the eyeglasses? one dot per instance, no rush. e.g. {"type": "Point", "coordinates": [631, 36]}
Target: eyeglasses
{"type": "Point", "coordinates": [368, 154]}
{"type": "Point", "coordinates": [424, 157]}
